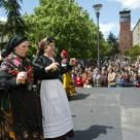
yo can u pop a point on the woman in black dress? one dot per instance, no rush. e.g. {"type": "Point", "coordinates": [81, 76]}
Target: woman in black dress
{"type": "Point", "coordinates": [16, 78]}
{"type": "Point", "coordinates": [56, 114]}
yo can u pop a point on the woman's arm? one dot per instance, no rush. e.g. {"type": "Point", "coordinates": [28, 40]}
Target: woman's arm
{"type": "Point", "coordinates": [65, 69]}
{"type": "Point", "coordinates": [44, 69]}
{"type": "Point", "coordinates": [7, 81]}
{"type": "Point", "coordinates": [39, 69]}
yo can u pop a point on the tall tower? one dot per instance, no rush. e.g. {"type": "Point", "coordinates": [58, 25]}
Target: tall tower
{"type": "Point", "coordinates": [125, 31]}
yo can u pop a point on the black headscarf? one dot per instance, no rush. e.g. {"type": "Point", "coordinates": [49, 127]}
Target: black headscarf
{"type": "Point", "coordinates": [13, 42]}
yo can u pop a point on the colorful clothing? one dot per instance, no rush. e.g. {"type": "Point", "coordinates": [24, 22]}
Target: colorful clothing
{"type": "Point", "coordinates": [13, 64]}
{"type": "Point", "coordinates": [21, 116]}
{"type": "Point", "coordinates": [78, 82]}
{"type": "Point", "coordinates": [68, 83]}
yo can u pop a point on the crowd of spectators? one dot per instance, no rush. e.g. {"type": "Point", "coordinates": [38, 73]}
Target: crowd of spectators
{"type": "Point", "coordinates": [112, 73]}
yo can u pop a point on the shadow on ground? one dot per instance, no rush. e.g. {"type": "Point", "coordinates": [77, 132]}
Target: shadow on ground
{"type": "Point", "coordinates": [79, 96]}
{"type": "Point", "coordinates": [92, 133]}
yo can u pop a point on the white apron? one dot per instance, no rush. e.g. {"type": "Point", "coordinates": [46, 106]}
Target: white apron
{"type": "Point", "coordinates": [56, 115]}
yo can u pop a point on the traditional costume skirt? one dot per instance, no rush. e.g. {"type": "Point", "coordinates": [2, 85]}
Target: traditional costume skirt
{"type": "Point", "coordinates": [68, 84]}
{"type": "Point", "coordinates": [56, 114]}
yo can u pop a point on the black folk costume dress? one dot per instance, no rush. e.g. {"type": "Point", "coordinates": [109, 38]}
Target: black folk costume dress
{"type": "Point", "coordinates": [56, 114]}
{"type": "Point", "coordinates": [22, 99]}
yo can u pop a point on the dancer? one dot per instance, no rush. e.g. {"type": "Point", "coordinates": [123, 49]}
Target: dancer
{"type": "Point", "coordinates": [68, 83]}
{"type": "Point", "coordinates": [16, 78]}
{"type": "Point", "coordinates": [56, 115]}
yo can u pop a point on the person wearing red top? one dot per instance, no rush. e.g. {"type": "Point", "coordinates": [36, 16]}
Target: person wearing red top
{"type": "Point", "coordinates": [78, 81]}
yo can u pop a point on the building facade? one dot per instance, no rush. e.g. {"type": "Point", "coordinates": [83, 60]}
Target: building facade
{"type": "Point", "coordinates": [136, 34]}
{"type": "Point", "coordinates": [125, 39]}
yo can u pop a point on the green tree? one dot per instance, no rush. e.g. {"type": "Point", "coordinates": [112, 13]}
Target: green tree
{"type": "Point", "coordinates": [68, 23]}
{"type": "Point", "coordinates": [2, 34]}
{"type": "Point", "coordinates": [134, 52]}
{"type": "Point", "coordinates": [112, 44]}
{"type": "Point", "coordinates": [14, 24]}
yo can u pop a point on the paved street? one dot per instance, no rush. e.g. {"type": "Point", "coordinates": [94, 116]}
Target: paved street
{"type": "Point", "coordinates": [106, 114]}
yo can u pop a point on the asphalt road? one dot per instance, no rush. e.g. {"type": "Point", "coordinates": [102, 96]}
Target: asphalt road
{"type": "Point", "coordinates": [106, 114]}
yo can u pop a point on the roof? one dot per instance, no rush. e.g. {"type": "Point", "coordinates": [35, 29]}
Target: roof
{"type": "Point", "coordinates": [136, 24]}
{"type": "Point", "coordinates": [125, 11]}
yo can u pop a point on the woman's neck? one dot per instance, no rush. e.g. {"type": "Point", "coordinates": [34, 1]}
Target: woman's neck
{"type": "Point", "coordinates": [48, 55]}
{"type": "Point", "coordinates": [19, 55]}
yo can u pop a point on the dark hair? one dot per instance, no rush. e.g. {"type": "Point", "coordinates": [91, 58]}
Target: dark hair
{"type": "Point", "coordinates": [43, 43]}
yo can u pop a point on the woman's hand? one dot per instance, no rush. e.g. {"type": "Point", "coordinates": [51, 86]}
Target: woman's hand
{"type": "Point", "coordinates": [21, 78]}
{"type": "Point", "coordinates": [53, 67]}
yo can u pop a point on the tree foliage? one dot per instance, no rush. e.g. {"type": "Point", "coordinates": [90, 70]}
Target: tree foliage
{"type": "Point", "coordinates": [134, 52]}
{"type": "Point", "coordinates": [113, 45]}
{"type": "Point", "coordinates": [15, 23]}
{"type": "Point", "coordinates": [2, 34]}
{"type": "Point", "coordinates": [68, 23]}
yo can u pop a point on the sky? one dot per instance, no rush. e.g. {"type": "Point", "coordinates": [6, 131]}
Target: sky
{"type": "Point", "coordinates": [109, 18]}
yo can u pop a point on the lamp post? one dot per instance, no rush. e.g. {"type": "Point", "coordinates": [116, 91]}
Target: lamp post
{"type": "Point", "coordinates": [97, 8]}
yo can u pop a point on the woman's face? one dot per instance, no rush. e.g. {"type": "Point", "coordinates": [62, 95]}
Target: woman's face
{"type": "Point", "coordinates": [22, 49]}
{"type": "Point", "coordinates": [50, 49]}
